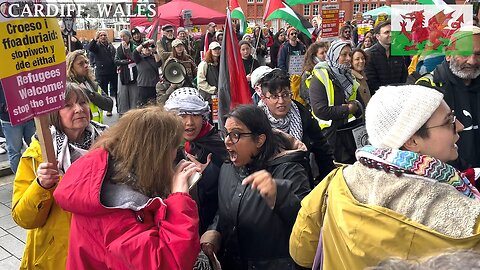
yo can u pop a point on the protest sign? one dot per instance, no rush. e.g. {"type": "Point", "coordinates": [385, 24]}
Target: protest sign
{"type": "Point", "coordinates": [330, 21]}
{"type": "Point", "coordinates": [295, 64]}
{"type": "Point", "coordinates": [33, 73]}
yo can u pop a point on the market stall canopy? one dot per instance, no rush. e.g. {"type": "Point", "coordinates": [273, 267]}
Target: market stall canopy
{"type": "Point", "coordinates": [380, 10]}
{"type": "Point", "coordinates": [171, 13]}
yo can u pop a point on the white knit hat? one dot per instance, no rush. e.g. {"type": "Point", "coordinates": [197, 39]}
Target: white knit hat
{"type": "Point", "coordinates": [395, 113]}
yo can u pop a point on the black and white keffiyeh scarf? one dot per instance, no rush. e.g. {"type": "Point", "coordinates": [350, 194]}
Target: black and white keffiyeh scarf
{"type": "Point", "coordinates": [291, 123]}
{"type": "Point", "coordinates": [67, 152]}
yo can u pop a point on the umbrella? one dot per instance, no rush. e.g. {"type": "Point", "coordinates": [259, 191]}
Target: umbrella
{"type": "Point", "coordinates": [375, 12]}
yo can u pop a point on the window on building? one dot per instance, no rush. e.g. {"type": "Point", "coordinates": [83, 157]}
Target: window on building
{"type": "Point", "coordinates": [316, 1]}
{"type": "Point", "coordinates": [324, 0]}
{"type": "Point", "coordinates": [315, 10]}
{"type": "Point", "coordinates": [306, 10]}
{"type": "Point", "coordinates": [333, 0]}
{"type": "Point", "coordinates": [356, 8]}
{"type": "Point", "coordinates": [373, 5]}
{"type": "Point", "coordinates": [260, 1]}
{"type": "Point", "coordinates": [250, 1]}
{"type": "Point", "coordinates": [364, 8]}
{"type": "Point", "coordinates": [382, 4]}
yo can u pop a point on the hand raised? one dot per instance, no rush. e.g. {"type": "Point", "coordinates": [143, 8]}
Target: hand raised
{"type": "Point", "coordinates": [200, 165]}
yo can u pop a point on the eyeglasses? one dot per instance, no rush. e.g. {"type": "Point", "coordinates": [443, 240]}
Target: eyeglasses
{"type": "Point", "coordinates": [234, 136]}
{"type": "Point", "coordinates": [453, 123]}
{"type": "Point", "coordinates": [276, 97]}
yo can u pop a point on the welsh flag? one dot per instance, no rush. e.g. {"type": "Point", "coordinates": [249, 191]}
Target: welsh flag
{"type": "Point", "coordinates": [277, 9]}
{"type": "Point", "coordinates": [427, 29]}
{"type": "Point", "coordinates": [237, 13]}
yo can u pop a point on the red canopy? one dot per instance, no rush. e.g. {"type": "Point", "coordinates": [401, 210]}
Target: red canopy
{"type": "Point", "coordinates": [171, 13]}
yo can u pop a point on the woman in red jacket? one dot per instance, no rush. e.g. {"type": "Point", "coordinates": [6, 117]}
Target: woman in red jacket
{"type": "Point", "coordinates": [130, 206]}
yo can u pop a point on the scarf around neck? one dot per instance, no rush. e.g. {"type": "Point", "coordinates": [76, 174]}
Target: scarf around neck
{"type": "Point", "coordinates": [67, 151]}
{"type": "Point", "coordinates": [342, 72]}
{"type": "Point", "coordinates": [290, 124]}
{"type": "Point", "coordinates": [398, 162]}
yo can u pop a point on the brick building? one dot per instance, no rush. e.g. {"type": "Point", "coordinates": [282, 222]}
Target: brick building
{"type": "Point", "coordinates": [254, 9]}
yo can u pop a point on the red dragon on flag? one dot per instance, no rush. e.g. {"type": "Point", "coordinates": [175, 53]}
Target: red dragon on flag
{"type": "Point", "coordinates": [413, 33]}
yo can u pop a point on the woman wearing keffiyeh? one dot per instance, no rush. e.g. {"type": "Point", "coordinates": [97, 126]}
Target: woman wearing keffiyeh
{"type": "Point", "coordinates": [33, 206]}
{"type": "Point", "coordinates": [401, 198]}
{"type": "Point", "coordinates": [333, 92]}
{"type": "Point", "coordinates": [202, 145]}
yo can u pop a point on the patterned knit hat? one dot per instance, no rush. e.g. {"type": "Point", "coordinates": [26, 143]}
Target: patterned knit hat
{"type": "Point", "coordinates": [395, 113]}
{"type": "Point", "coordinates": [187, 100]}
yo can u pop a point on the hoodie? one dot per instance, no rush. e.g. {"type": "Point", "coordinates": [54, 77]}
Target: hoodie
{"type": "Point", "coordinates": [116, 227]}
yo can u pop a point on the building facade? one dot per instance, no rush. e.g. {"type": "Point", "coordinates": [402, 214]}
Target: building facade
{"type": "Point", "coordinates": [254, 9]}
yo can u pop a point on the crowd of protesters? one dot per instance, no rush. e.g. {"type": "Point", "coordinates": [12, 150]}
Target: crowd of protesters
{"type": "Point", "coordinates": [280, 185]}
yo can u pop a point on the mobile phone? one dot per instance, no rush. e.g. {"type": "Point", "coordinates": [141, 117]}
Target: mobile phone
{"type": "Point", "coordinates": [193, 179]}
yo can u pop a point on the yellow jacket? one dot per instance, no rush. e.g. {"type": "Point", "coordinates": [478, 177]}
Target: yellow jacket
{"type": "Point", "coordinates": [34, 208]}
{"type": "Point", "coordinates": [358, 235]}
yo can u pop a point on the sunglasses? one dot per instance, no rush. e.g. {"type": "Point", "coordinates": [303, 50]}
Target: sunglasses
{"type": "Point", "coordinates": [293, 34]}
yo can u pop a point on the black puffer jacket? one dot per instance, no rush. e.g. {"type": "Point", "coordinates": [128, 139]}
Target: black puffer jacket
{"type": "Point", "coordinates": [465, 101]}
{"type": "Point", "coordinates": [207, 187]}
{"type": "Point", "coordinates": [104, 57]}
{"type": "Point", "coordinates": [316, 143]}
{"type": "Point", "coordinates": [381, 70]}
{"type": "Point", "coordinates": [253, 235]}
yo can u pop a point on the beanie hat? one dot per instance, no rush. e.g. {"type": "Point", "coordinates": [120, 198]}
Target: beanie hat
{"type": "Point", "coordinates": [291, 29]}
{"type": "Point", "coordinates": [395, 113]}
{"type": "Point", "coordinates": [181, 29]}
{"type": "Point", "coordinates": [126, 33]}
{"type": "Point", "coordinates": [218, 33]}
{"type": "Point", "coordinates": [187, 100]}
{"type": "Point", "coordinates": [177, 42]}
{"type": "Point", "coordinates": [135, 31]}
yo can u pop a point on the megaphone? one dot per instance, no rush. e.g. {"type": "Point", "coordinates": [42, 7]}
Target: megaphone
{"type": "Point", "coordinates": [174, 72]}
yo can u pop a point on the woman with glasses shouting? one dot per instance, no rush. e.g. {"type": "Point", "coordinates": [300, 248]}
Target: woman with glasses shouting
{"type": "Point", "coordinates": [259, 193]}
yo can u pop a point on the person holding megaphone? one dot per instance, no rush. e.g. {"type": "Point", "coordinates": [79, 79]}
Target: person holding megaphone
{"type": "Point", "coordinates": [179, 70]}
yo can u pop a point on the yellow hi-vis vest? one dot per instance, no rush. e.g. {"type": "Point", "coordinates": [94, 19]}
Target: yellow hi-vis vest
{"type": "Point", "coordinates": [324, 78]}
{"type": "Point", "coordinates": [428, 78]}
{"type": "Point", "coordinates": [95, 111]}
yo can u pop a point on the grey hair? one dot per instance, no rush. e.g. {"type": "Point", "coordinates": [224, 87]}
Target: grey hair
{"type": "Point", "coordinates": [126, 32]}
{"type": "Point", "coordinates": [450, 260]}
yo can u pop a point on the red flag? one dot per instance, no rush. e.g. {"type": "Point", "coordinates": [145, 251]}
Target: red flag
{"type": "Point", "coordinates": [233, 87]}
{"type": "Point", "coordinates": [153, 34]}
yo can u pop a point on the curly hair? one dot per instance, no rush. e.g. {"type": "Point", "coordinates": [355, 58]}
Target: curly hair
{"type": "Point", "coordinates": [70, 59]}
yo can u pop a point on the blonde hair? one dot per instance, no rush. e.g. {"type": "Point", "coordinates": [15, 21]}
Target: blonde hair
{"type": "Point", "coordinates": [142, 143]}
{"type": "Point", "coordinates": [70, 59]}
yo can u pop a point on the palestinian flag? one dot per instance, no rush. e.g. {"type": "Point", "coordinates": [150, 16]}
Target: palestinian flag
{"type": "Point", "coordinates": [233, 87]}
{"type": "Point", "coordinates": [296, 2]}
{"type": "Point", "coordinates": [277, 9]}
{"type": "Point", "coordinates": [237, 13]}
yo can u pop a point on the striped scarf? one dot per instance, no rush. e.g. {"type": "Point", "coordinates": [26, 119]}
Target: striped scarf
{"type": "Point", "coordinates": [399, 162]}
{"type": "Point", "coordinates": [290, 124]}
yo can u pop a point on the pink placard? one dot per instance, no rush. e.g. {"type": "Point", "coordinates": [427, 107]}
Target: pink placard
{"type": "Point", "coordinates": [33, 93]}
